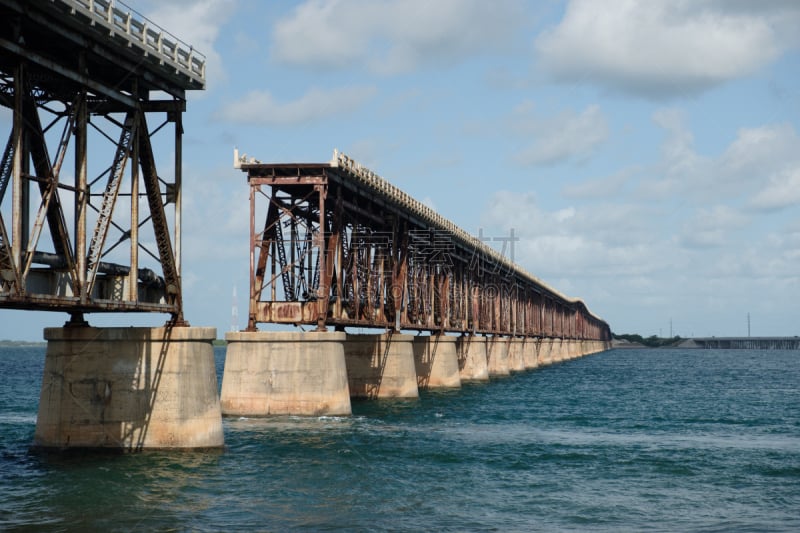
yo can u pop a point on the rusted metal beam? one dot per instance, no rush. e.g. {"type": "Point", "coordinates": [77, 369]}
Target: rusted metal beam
{"type": "Point", "coordinates": [380, 259]}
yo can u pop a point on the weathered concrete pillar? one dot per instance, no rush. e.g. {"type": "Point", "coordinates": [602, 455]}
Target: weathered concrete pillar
{"type": "Point", "coordinates": [381, 366]}
{"type": "Point", "coordinates": [530, 352]}
{"type": "Point", "coordinates": [545, 351]}
{"type": "Point", "coordinates": [516, 359]}
{"type": "Point", "coordinates": [436, 362]}
{"type": "Point", "coordinates": [587, 347]}
{"type": "Point", "coordinates": [129, 389]}
{"type": "Point", "coordinates": [557, 350]}
{"type": "Point", "coordinates": [497, 355]}
{"type": "Point", "coordinates": [472, 363]}
{"type": "Point", "coordinates": [571, 349]}
{"type": "Point", "coordinates": [285, 373]}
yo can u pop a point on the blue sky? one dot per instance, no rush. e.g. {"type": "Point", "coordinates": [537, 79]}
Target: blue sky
{"type": "Point", "coordinates": [647, 154]}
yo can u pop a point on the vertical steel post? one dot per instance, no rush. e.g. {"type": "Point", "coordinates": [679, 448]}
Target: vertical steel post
{"type": "Point", "coordinates": [251, 314]}
{"type": "Point", "coordinates": [81, 190]}
{"type": "Point", "coordinates": [17, 209]}
{"type": "Point", "coordinates": [325, 276]}
{"type": "Point", "coordinates": [133, 275]}
{"type": "Point", "coordinates": [178, 116]}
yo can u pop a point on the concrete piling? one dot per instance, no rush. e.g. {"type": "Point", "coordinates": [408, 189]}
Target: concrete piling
{"type": "Point", "coordinates": [129, 389]}
{"type": "Point", "coordinates": [497, 355]}
{"type": "Point", "coordinates": [285, 373]}
{"type": "Point", "coordinates": [472, 362]}
{"type": "Point", "coordinates": [436, 361]}
{"type": "Point", "coordinates": [381, 366]}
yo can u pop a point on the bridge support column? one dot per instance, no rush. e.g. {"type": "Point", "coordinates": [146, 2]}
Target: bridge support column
{"type": "Point", "coordinates": [285, 373]}
{"type": "Point", "coordinates": [497, 355]}
{"type": "Point", "coordinates": [472, 364]}
{"type": "Point", "coordinates": [570, 348]}
{"type": "Point", "coordinates": [557, 350]}
{"type": "Point", "coordinates": [381, 366]}
{"type": "Point", "coordinates": [544, 352]}
{"type": "Point", "coordinates": [588, 347]}
{"type": "Point", "coordinates": [530, 352]}
{"type": "Point", "coordinates": [129, 389]}
{"type": "Point", "coordinates": [516, 357]}
{"type": "Point", "coordinates": [436, 362]}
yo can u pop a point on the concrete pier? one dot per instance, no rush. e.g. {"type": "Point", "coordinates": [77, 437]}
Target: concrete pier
{"type": "Point", "coordinates": [530, 352]}
{"type": "Point", "coordinates": [436, 361]}
{"type": "Point", "coordinates": [557, 351]}
{"type": "Point", "coordinates": [472, 363]}
{"type": "Point", "coordinates": [129, 389]}
{"type": "Point", "coordinates": [546, 352]}
{"type": "Point", "coordinates": [497, 355]}
{"type": "Point", "coordinates": [285, 373]}
{"type": "Point", "coordinates": [516, 357]}
{"type": "Point", "coordinates": [381, 366]}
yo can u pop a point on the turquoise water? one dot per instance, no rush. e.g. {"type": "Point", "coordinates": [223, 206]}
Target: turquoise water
{"type": "Point", "coordinates": [627, 440]}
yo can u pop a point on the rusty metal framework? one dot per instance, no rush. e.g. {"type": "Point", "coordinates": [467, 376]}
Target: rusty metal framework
{"type": "Point", "coordinates": [85, 224]}
{"type": "Point", "coordinates": [334, 244]}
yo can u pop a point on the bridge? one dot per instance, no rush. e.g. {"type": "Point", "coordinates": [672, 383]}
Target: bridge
{"type": "Point", "coordinates": [335, 249]}
{"type": "Point", "coordinates": [88, 223]}
{"type": "Point", "coordinates": [336, 245]}
{"type": "Point", "coordinates": [743, 343]}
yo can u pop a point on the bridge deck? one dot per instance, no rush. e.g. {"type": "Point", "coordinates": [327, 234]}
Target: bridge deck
{"type": "Point", "coordinates": [360, 251]}
{"type": "Point", "coordinates": [102, 44]}
{"type": "Point", "coordinates": [96, 71]}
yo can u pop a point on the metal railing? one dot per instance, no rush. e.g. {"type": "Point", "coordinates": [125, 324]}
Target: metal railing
{"type": "Point", "coordinates": [119, 19]}
{"type": "Point", "coordinates": [383, 187]}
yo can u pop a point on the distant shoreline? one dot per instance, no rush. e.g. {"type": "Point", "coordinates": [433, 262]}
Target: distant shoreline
{"type": "Point", "coordinates": [20, 344]}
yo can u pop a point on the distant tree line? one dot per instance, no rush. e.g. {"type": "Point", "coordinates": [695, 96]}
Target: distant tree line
{"type": "Point", "coordinates": [651, 341]}
{"type": "Point", "coordinates": [16, 344]}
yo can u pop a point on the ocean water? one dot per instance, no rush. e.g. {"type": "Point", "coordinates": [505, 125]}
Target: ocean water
{"type": "Point", "coordinates": [626, 440]}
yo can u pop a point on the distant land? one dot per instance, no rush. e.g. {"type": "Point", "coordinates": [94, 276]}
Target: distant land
{"type": "Point", "coordinates": [633, 340]}
{"type": "Point", "coordinates": [16, 344]}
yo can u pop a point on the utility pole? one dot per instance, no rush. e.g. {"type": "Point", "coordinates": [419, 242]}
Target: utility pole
{"type": "Point", "coordinates": [748, 324]}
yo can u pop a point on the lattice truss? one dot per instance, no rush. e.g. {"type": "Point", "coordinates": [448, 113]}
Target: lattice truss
{"type": "Point", "coordinates": [328, 248]}
{"type": "Point", "coordinates": [92, 96]}
{"type": "Point", "coordinates": [83, 211]}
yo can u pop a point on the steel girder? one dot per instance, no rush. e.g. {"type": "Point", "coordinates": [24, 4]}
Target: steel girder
{"type": "Point", "coordinates": [339, 246]}
{"type": "Point", "coordinates": [46, 260]}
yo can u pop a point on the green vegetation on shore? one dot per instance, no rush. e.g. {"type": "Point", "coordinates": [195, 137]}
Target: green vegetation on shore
{"type": "Point", "coordinates": [651, 341]}
{"type": "Point", "coordinates": [5, 343]}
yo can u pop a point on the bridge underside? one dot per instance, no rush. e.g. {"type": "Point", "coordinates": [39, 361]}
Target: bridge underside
{"type": "Point", "coordinates": [333, 244]}
{"type": "Point", "coordinates": [83, 209]}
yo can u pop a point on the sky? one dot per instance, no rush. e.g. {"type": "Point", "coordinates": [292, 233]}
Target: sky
{"type": "Point", "coordinates": [645, 153]}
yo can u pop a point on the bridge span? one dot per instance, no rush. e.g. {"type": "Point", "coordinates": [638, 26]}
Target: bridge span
{"type": "Point", "coordinates": [335, 246]}
{"type": "Point", "coordinates": [94, 87]}
{"type": "Point", "coordinates": [89, 223]}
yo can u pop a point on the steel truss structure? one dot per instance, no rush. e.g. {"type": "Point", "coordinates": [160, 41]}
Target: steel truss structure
{"type": "Point", "coordinates": [84, 214]}
{"type": "Point", "coordinates": [337, 245]}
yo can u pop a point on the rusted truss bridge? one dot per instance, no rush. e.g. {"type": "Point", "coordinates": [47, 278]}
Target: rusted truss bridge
{"type": "Point", "coordinates": [334, 244]}
{"type": "Point", "coordinates": [90, 84]}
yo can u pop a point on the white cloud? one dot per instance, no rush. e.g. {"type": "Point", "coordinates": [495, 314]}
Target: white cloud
{"type": "Point", "coordinates": [783, 190]}
{"type": "Point", "coordinates": [391, 36]}
{"type": "Point", "coordinates": [712, 227]}
{"type": "Point", "coordinates": [260, 107]}
{"type": "Point", "coordinates": [568, 135]}
{"type": "Point", "coordinates": [605, 187]}
{"type": "Point", "coordinates": [761, 151]}
{"type": "Point", "coordinates": [757, 166]}
{"type": "Point", "coordinates": [603, 240]}
{"type": "Point", "coordinates": [197, 23]}
{"type": "Point", "coordinates": [664, 48]}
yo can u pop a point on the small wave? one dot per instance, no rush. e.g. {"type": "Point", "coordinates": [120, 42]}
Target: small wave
{"type": "Point", "coordinates": [13, 418]}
